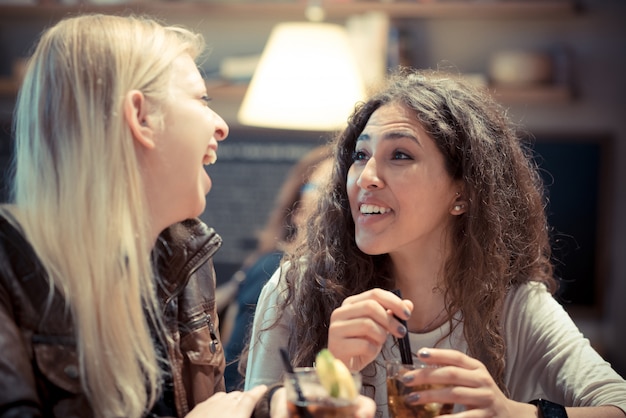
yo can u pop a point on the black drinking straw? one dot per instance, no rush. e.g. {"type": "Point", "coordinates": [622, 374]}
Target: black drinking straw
{"type": "Point", "coordinates": [303, 412]}
{"type": "Point", "coordinates": [403, 343]}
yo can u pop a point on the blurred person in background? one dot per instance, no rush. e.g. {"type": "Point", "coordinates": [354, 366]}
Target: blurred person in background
{"type": "Point", "coordinates": [294, 204]}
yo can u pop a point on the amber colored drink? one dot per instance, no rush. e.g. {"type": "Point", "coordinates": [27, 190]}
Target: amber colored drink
{"type": "Point", "coordinates": [321, 409]}
{"type": "Point", "coordinates": [397, 391]}
{"type": "Point", "coordinates": [398, 408]}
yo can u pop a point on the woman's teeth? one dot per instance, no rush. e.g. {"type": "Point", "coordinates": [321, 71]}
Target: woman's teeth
{"type": "Point", "coordinates": [370, 209]}
{"type": "Point", "coordinates": [210, 158]}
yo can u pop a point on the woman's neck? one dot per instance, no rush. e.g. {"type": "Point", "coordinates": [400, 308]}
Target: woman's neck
{"type": "Point", "coordinates": [420, 279]}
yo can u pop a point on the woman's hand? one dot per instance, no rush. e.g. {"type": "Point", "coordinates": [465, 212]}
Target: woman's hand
{"type": "Point", "coordinates": [232, 404]}
{"type": "Point", "coordinates": [360, 326]}
{"type": "Point", "coordinates": [467, 382]}
{"type": "Point", "coordinates": [366, 407]}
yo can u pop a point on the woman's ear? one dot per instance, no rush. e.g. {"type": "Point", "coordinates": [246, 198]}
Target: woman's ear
{"type": "Point", "coordinates": [136, 115]}
{"type": "Point", "coordinates": [459, 205]}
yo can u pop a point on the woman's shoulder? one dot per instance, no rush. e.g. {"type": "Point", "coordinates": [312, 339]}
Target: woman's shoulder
{"type": "Point", "coordinates": [9, 224]}
{"type": "Point", "coordinates": [276, 285]}
{"type": "Point", "coordinates": [13, 243]}
{"type": "Point", "coordinates": [531, 306]}
{"type": "Point", "coordinates": [530, 290]}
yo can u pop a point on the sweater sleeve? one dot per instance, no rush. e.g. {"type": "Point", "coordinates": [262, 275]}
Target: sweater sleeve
{"type": "Point", "coordinates": [548, 357]}
{"type": "Point", "coordinates": [264, 364]}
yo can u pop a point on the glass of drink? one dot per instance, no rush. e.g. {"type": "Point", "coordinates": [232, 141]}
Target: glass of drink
{"type": "Point", "coordinates": [397, 391]}
{"type": "Point", "coordinates": [317, 402]}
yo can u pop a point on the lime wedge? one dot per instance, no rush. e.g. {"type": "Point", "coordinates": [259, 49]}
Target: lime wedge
{"type": "Point", "coordinates": [335, 376]}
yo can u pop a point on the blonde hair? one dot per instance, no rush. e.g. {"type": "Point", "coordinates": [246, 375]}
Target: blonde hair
{"type": "Point", "coordinates": [80, 198]}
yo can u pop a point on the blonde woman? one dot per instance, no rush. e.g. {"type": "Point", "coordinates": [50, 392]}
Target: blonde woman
{"type": "Point", "coordinates": [106, 278]}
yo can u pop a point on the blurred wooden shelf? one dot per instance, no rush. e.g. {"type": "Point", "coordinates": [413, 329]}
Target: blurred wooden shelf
{"type": "Point", "coordinates": [227, 97]}
{"type": "Point", "coordinates": [400, 9]}
{"type": "Point", "coordinates": [8, 88]}
{"type": "Point", "coordinates": [223, 92]}
{"type": "Point", "coordinates": [539, 94]}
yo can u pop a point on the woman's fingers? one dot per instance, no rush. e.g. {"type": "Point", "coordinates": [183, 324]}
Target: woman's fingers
{"type": "Point", "coordinates": [364, 328]}
{"type": "Point", "coordinates": [445, 376]}
{"type": "Point", "coordinates": [278, 404]}
{"type": "Point", "coordinates": [251, 397]}
{"type": "Point", "coordinates": [366, 407]}
{"type": "Point", "coordinates": [233, 404]}
{"type": "Point", "coordinates": [452, 368]}
{"type": "Point", "coordinates": [390, 302]}
{"type": "Point", "coordinates": [448, 357]}
{"type": "Point", "coordinates": [360, 326]}
{"type": "Point", "coordinates": [377, 305]}
{"type": "Point", "coordinates": [459, 379]}
{"type": "Point", "coordinates": [355, 352]}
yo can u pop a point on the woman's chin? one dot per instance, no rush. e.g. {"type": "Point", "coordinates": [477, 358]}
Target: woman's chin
{"type": "Point", "coordinates": [207, 183]}
{"type": "Point", "coordinates": [370, 249]}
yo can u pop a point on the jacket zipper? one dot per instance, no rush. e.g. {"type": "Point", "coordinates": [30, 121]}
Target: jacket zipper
{"type": "Point", "coordinates": [206, 318]}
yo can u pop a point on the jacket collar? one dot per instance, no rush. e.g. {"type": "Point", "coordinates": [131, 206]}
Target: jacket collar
{"type": "Point", "coordinates": [181, 249]}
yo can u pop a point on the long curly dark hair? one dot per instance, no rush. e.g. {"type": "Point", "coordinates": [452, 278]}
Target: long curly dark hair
{"type": "Point", "coordinates": [500, 242]}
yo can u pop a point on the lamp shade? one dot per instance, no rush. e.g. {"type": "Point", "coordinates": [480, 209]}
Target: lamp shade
{"type": "Point", "coordinates": [307, 79]}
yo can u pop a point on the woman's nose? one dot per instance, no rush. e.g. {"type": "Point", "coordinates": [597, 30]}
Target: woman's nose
{"type": "Point", "coordinates": [221, 128]}
{"type": "Point", "coordinates": [369, 178]}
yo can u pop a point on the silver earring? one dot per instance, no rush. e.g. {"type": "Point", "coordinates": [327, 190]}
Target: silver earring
{"type": "Point", "coordinates": [457, 207]}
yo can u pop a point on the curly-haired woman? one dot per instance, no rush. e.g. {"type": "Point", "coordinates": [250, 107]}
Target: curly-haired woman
{"type": "Point", "coordinates": [434, 193]}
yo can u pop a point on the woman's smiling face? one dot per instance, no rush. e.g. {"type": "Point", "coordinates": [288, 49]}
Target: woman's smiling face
{"type": "Point", "coordinates": [401, 196]}
{"type": "Point", "coordinates": [188, 141]}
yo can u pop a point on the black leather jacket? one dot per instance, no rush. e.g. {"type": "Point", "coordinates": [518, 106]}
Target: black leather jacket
{"type": "Point", "coordinates": [38, 362]}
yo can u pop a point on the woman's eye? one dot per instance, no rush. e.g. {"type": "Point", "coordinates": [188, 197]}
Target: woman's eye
{"type": "Point", "coordinates": [399, 155]}
{"type": "Point", "coordinates": [206, 99]}
{"type": "Point", "coordinates": [358, 156]}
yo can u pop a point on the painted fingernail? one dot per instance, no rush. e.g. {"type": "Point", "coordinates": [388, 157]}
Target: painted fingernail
{"type": "Point", "coordinates": [407, 313]}
{"type": "Point", "coordinates": [402, 330]}
{"type": "Point", "coordinates": [407, 378]}
{"type": "Point", "coordinates": [424, 353]}
{"type": "Point", "coordinates": [412, 397]}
